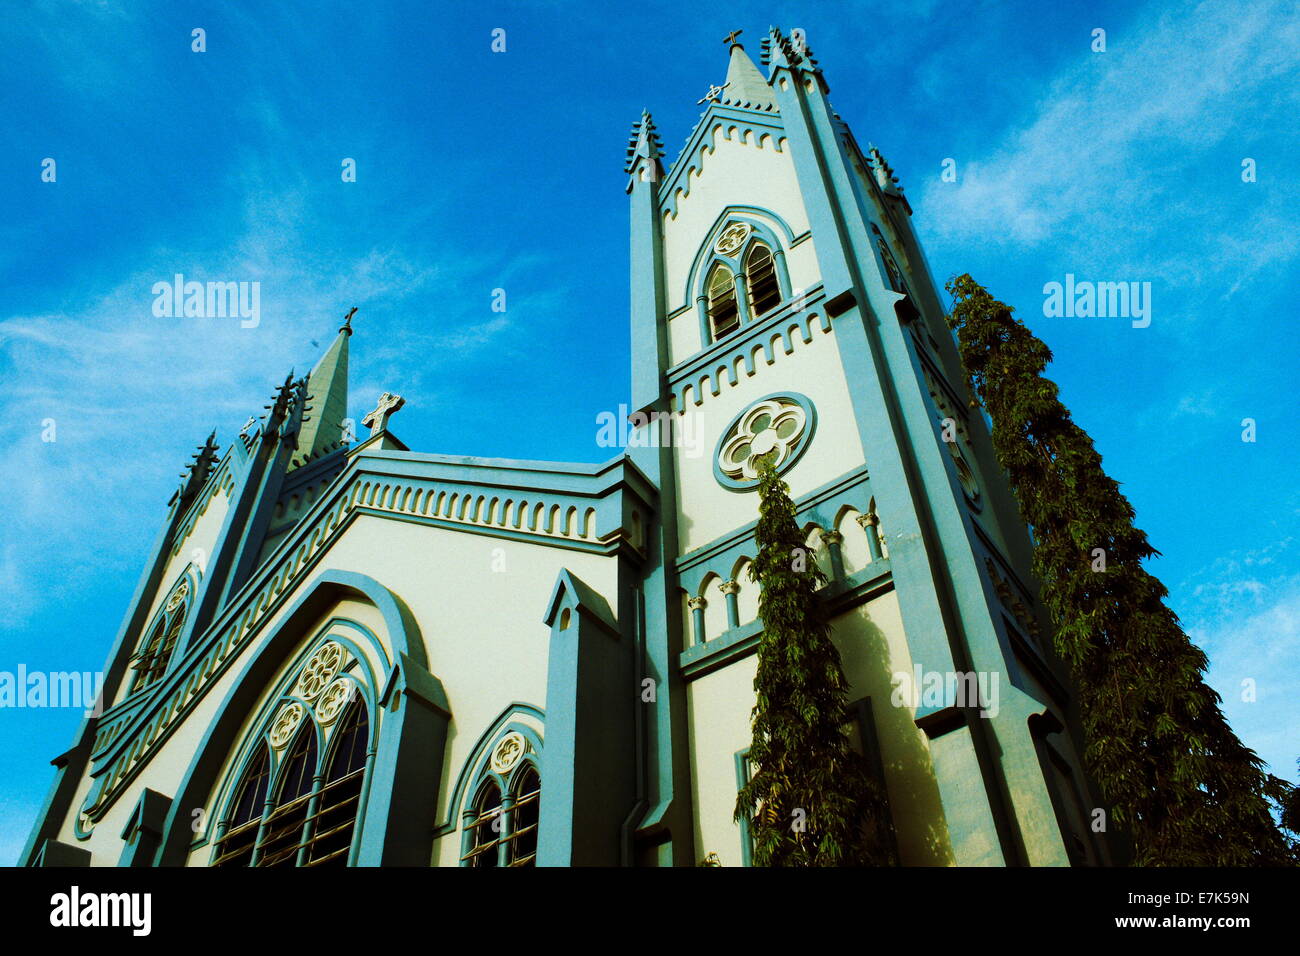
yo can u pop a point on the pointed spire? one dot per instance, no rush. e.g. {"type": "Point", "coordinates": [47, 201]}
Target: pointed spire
{"type": "Point", "coordinates": [327, 397]}
{"type": "Point", "coordinates": [745, 86]}
{"type": "Point", "coordinates": [885, 177]}
{"type": "Point", "coordinates": [644, 144]}
{"type": "Point", "coordinates": [197, 471]}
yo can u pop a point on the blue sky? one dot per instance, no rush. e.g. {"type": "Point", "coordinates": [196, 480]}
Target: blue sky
{"type": "Point", "coordinates": [479, 170]}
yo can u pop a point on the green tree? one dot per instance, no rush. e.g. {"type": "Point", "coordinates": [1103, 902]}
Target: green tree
{"type": "Point", "coordinates": [811, 800]}
{"type": "Point", "coordinates": [1177, 779]}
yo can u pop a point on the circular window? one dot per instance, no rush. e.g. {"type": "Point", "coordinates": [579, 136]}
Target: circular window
{"type": "Point", "coordinates": [773, 431]}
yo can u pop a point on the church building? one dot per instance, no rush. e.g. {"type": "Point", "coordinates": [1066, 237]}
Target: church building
{"type": "Point", "coordinates": [346, 652]}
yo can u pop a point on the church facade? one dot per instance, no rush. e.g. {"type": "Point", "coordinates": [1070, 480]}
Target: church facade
{"type": "Point", "coordinates": [347, 652]}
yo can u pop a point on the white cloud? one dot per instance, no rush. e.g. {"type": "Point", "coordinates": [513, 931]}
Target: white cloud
{"type": "Point", "coordinates": [1248, 623]}
{"type": "Point", "coordinates": [1102, 163]}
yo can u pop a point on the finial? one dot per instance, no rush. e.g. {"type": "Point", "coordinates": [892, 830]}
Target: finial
{"type": "Point", "coordinates": [730, 38]}
{"type": "Point", "coordinates": [347, 321]}
{"type": "Point", "coordinates": [644, 143]}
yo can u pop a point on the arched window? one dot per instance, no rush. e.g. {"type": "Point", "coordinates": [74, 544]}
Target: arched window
{"type": "Point", "coordinates": [284, 833]}
{"type": "Point", "coordinates": [336, 819]}
{"type": "Point", "coordinates": [500, 823]}
{"type": "Point", "coordinates": [150, 663]}
{"type": "Point", "coordinates": [764, 290]}
{"type": "Point", "coordinates": [311, 816]}
{"type": "Point", "coordinates": [485, 828]}
{"type": "Point", "coordinates": [525, 817]}
{"type": "Point", "coordinates": [724, 314]}
{"type": "Point", "coordinates": [236, 847]}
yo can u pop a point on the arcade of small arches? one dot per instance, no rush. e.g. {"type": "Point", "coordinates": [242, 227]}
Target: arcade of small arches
{"type": "Point", "coordinates": [854, 543]}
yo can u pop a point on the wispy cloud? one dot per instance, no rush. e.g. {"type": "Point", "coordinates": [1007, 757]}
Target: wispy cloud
{"type": "Point", "coordinates": [1106, 155]}
{"type": "Point", "coordinates": [1253, 644]}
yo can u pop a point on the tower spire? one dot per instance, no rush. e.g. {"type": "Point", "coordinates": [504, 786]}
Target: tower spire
{"type": "Point", "coordinates": [327, 395]}
{"type": "Point", "coordinates": [745, 86]}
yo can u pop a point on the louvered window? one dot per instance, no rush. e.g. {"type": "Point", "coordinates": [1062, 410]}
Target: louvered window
{"type": "Point", "coordinates": [724, 315]}
{"type": "Point", "coordinates": [764, 290]}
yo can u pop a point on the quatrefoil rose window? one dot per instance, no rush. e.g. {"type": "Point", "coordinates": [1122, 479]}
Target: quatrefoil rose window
{"type": "Point", "coordinates": [773, 431]}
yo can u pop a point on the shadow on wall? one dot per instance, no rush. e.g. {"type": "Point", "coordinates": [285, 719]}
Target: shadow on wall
{"type": "Point", "coordinates": [914, 799]}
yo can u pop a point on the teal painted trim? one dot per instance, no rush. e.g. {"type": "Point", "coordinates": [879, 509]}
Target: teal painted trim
{"type": "Point", "coordinates": [258, 672]}
{"type": "Point", "coordinates": [810, 412]}
{"type": "Point", "coordinates": [408, 770]}
{"type": "Point", "coordinates": [820, 506]}
{"type": "Point", "coordinates": [145, 707]}
{"type": "Point", "coordinates": [746, 121]}
{"type": "Point", "coordinates": [55, 853]}
{"type": "Point", "coordinates": [589, 546]}
{"type": "Point", "coordinates": [729, 646]}
{"type": "Point", "coordinates": [582, 598]}
{"type": "Point", "coordinates": [502, 724]}
{"type": "Point", "coordinates": [144, 829]}
{"type": "Point", "coordinates": [739, 642]}
{"type": "Point", "coordinates": [707, 371]}
{"type": "Point", "coordinates": [649, 331]}
{"type": "Point", "coordinates": [590, 777]}
{"type": "Point", "coordinates": [746, 838]}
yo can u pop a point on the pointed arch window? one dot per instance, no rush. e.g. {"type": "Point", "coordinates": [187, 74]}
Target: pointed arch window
{"type": "Point", "coordinates": [151, 661]}
{"type": "Point", "coordinates": [485, 828]}
{"type": "Point", "coordinates": [283, 834]}
{"type": "Point", "coordinates": [764, 289]}
{"type": "Point", "coordinates": [501, 823]}
{"type": "Point", "coordinates": [724, 311]}
{"type": "Point", "coordinates": [336, 819]}
{"type": "Point", "coordinates": [310, 816]}
{"type": "Point", "coordinates": [236, 847]}
{"type": "Point", "coordinates": [525, 818]}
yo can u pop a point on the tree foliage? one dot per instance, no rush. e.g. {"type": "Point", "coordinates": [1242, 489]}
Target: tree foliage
{"type": "Point", "coordinates": [1177, 779]}
{"type": "Point", "coordinates": [811, 800]}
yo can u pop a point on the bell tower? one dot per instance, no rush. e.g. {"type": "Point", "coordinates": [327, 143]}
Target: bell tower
{"type": "Point", "coordinates": [783, 311]}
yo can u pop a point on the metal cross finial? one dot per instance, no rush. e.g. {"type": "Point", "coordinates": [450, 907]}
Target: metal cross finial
{"type": "Point", "coordinates": [731, 37]}
{"type": "Point", "coordinates": [347, 321]}
{"type": "Point", "coordinates": [377, 420]}
{"type": "Point", "coordinates": [713, 94]}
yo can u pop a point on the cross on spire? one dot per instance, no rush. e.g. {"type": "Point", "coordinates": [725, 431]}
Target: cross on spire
{"type": "Point", "coordinates": [730, 38]}
{"type": "Point", "coordinates": [377, 421]}
{"type": "Point", "coordinates": [347, 321]}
